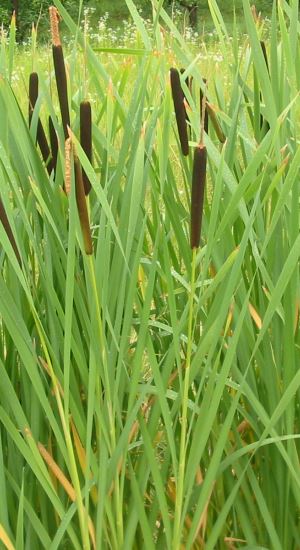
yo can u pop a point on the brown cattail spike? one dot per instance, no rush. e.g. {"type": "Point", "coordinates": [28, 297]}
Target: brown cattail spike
{"type": "Point", "coordinates": [86, 138]}
{"type": "Point", "coordinates": [40, 133]}
{"type": "Point", "coordinates": [198, 188]}
{"type": "Point", "coordinates": [82, 207]}
{"type": "Point", "coordinates": [62, 88]}
{"type": "Point", "coordinates": [33, 93]}
{"type": "Point", "coordinates": [180, 111]}
{"type": "Point", "coordinates": [9, 233]}
{"type": "Point", "coordinates": [54, 22]}
{"type": "Point", "coordinates": [53, 142]}
{"type": "Point", "coordinates": [60, 69]}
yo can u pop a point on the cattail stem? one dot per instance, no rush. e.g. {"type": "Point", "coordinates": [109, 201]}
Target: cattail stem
{"type": "Point", "coordinates": [198, 189]}
{"type": "Point", "coordinates": [180, 112]}
{"type": "Point", "coordinates": [5, 222]}
{"type": "Point", "coordinates": [82, 207]}
{"type": "Point", "coordinates": [86, 138]}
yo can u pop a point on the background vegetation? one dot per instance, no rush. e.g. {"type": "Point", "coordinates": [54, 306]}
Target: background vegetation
{"type": "Point", "coordinates": [30, 11]}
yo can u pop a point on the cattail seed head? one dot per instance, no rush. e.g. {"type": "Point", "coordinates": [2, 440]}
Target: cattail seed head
{"type": "Point", "coordinates": [86, 138]}
{"type": "Point", "coordinates": [33, 93]}
{"type": "Point", "coordinates": [54, 25]}
{"type": "Point", "coordinates": [53, 142]}
{"type": "Point", "coordinates": [180, 112]}
{"type": "Point", "coordinates": [197, 198]}
{"type": "Point", "coordinates": [40, 133]}
{"type": "Point", "coordinates": [61, 84]}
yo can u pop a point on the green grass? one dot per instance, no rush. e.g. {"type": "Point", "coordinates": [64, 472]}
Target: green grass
{"type": "Point", "coordinates": [148, 400]}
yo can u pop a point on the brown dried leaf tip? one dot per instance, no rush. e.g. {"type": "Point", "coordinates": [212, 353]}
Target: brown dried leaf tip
{"type": "Point", "coordinates": [198, 189]}
{"type": "Point", "coordinates": [180, 112]}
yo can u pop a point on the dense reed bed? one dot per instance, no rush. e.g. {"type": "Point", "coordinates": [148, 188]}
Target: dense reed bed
{"type": "Point", "coordinates": [149, 310]}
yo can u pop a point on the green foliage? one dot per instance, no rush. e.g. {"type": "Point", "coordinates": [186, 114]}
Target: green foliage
{"type": "Point", "coordinates": [149, 397]}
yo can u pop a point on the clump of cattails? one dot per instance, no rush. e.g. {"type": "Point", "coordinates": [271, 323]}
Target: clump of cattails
{"type": "Point", "coordinates": [86, 138]}
{"type": "Point", "coordinates": [180, 111]}
{"type": "Point", "coordinates": [40, 133]}
{"type": "Point", "coordinates": [198, 185]}
{"type": "Point", "coordinates": [60, 70]}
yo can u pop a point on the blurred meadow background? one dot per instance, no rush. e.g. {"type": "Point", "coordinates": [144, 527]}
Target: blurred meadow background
{"type": "Point", "coordinates": [149, 387]}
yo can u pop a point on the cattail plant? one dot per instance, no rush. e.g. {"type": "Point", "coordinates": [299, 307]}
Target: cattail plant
{"type": "Point", "coordinates": [180, 112]}
{"type": "Point", "coordinates": [198, 185]}
{"type": "Point", "coordinates": [60, 70]}
{"type": "Point", "coordinates": [40, 133]}
{"type": "Point", "coordinates": [5, 222]}
{"type": "Point", "coordinates": [86, 138]}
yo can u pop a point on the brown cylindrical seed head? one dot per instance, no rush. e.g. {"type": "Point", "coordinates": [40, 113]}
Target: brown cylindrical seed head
{"type": "Point", "coordinates": [61, 84]}
{"type": "Point", "coordinates": [53, 142]}
{"type": "Point", "coordinates": [40, 133]}
{"type": "Point", "coordinates": [82, 208]}
{"type": "Point", "coordinates": [180, 111]}
{"type": "Point", "coordinates": [197, 199]}
{"type": "Point", "coordinates": [33, 93]}
{"type": "Point", "coordinates": [44, 147]}
{"type": "Point", "coordinates": [86, 138]}
{"type": "Point", "coordinates": [9, 233]}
